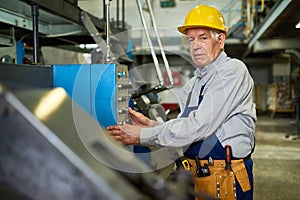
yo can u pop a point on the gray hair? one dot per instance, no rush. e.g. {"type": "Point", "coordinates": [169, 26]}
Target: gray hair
{"type": "Point", "coordinates": [214, 34]}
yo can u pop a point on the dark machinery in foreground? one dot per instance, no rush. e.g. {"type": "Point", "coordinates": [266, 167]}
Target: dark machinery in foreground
{"type": "Point", "coordinates": [60, 152]}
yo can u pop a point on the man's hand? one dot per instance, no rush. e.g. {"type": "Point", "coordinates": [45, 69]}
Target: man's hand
{"type": "Point", "coordinates": [126, 134]}
{"type": "Point", "coordinates": [139, 119]}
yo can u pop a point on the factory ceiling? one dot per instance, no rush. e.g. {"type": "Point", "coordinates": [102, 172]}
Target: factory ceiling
{"type": "Point", "coordinates": [60, 24]}
{"type": "Point", "coordinates": [278, 32]}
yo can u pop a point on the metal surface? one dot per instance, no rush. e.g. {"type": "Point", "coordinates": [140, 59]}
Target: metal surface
{"type": "Point", "coordinates": [26, 76]}
{"type": "Point", "coordinates": [46, 159]}
{"type": "Point", "coordinates": [123, 94]}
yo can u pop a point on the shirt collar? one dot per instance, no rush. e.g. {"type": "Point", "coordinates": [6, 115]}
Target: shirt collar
{"type": "Point", "coordinates": [201, 72]}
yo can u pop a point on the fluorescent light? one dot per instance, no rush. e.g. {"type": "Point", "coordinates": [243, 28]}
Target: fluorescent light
{"type": "Point", "coordinates": [298, 25]}
{"type": "Point", "coordinates": [88, 46]}
{"type": "Point", "coordinates": [91, 46]}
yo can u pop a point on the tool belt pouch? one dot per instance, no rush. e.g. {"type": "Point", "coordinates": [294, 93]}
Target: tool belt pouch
{"type": "Point", "coordinates": [221, 184]}
{"type": "Point", "coordinates": [241, 175]}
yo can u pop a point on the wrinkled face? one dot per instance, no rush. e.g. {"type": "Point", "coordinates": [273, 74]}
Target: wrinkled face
{"type": "Point", "coordinates": [204, 46]}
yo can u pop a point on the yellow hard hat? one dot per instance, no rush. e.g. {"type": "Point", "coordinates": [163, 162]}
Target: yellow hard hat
{"type": "Point", "coordinates": [203, 16]}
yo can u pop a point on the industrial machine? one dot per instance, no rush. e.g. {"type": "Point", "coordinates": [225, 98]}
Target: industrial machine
{"type": "Point", "coordinates": [52, 141]}
{"type": "Point", "coordinates": [60, 152]}
{"type": "Point", "coordinates": [102, 90]}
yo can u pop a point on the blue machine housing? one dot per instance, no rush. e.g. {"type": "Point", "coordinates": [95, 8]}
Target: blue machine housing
{"type": "Point", "coordinates": [91, 86]}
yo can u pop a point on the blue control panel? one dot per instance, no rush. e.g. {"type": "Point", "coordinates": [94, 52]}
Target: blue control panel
{"type": "Point", "coordinates": [102, 90]}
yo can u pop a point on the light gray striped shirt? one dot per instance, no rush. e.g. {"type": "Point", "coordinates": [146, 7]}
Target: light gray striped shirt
{"type": "Point", "coordinates": [227, 110]}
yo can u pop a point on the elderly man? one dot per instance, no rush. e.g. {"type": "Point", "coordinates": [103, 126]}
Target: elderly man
{"type": "Point", "coordinates": [217, 120]}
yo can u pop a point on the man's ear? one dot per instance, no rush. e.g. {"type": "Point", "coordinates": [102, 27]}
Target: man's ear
{"type": "Point", "coordinates": [221, 39]}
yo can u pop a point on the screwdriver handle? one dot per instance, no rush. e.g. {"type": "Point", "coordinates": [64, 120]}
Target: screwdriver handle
{"type": "Point", "coordinates": [228, 155]}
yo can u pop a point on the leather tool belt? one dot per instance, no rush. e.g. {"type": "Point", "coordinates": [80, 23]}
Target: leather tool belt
{"type": "Point", "coordinates": [220, 183]}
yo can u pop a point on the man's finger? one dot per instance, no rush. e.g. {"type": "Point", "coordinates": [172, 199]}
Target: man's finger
{"type": "Point", "coordinates": [133, 113]}
{"type": "Point", "coordinates": [113, 128]}
{"type": "Point", "coordinates": [115, 132]}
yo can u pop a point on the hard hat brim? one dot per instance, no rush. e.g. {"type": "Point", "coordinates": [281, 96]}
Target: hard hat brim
{"type": "Point", "coordinates": [183, 29]}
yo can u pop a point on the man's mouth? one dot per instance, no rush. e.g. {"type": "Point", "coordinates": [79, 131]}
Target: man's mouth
{"type": "Point", "coordinates": [199, 56]}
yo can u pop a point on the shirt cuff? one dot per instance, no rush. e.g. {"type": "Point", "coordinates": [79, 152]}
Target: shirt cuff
{"type": "Point", "coordinates": [148, 136]}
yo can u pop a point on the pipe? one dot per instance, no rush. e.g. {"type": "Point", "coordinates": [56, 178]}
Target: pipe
{"type": "Point", "coordinates": [104, 11]}
{"type": "Point", "coordinates": [248, 18]}
{"type": "Point", "coordinates": [155, 60]}
{"type": "Point", "coordinates": [160, 45]}
{"type": "Point", "coordinates": [117, 13]}
{"type": "Point", "coordinates": [294, 52]}
{"type": "Point", "coordinates": [123, 14]}
{"type": "Point", "coordinates": [108, 56]}
{"type": "Point", "coordinates": [35, 27]}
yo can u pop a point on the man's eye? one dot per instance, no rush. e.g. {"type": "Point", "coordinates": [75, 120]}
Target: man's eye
{"type": "Point", "coordinates": [190, 40]}
{"type": "Point", "coordinates": [203, 38]}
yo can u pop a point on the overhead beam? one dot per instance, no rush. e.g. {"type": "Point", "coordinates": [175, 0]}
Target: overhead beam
{"type": "Point", "coordinates": [263, 61]}
{"type": "Point", "coordinates": [57, 18]}
{"type": "Point", "coordinates": [269, 21]}
{"type": "Point", "coordinates": [60, 8]}
{"type": "Point", "coordinates": [275, 44]}
{"type": "Point", "coordinates": [51, 30]}
{"type": "Point", "coordinates": [20, 20]}
{"type": "Point", "coordinates": [67, 11]}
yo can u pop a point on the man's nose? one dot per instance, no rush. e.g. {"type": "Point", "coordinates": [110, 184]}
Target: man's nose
{"type": "Point", "coordinates": [197, 45]}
